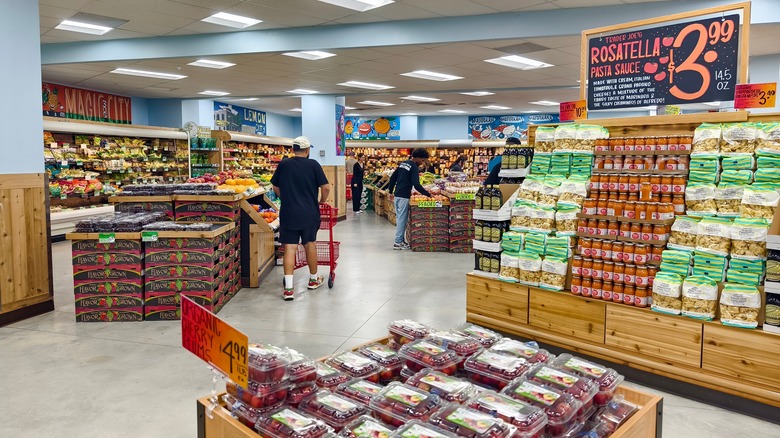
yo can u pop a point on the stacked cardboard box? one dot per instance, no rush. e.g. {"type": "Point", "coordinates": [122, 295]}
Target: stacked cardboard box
{"type": "Point", "coordinates": [461, 226]}
{"type": "Point", "coordinates": [429, 228]}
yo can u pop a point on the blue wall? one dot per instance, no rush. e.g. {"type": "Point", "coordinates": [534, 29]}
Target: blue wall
{"type": "Point", "coordinates": [442, 128]}
{"type": "Point", "coordinates": [278, 125]}
{"type": "Point", "coordinates": [140, 110]}
{"type": "Point", "coordinates": [165, 112]}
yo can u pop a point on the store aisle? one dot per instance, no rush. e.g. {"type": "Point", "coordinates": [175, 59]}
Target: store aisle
{"type": "Point", "coordinates": [134, 379]}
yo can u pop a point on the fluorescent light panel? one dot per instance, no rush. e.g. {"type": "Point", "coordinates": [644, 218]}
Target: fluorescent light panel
{"type": "Point", "coordinates": [249, 99]}
{"type": "Point", "coordinates": [532, 112]}
{"type": "Point", "coordinates": [147, 74]}
{"type": "Point", "coordinates": [519, 62]}
{"type": "Point", "coordinates": [376, 103]}
{"type": "Point", "coordinates": [349, 107]}
{"type": "Point", "coordinates": [311, 55]}
{"type": "Point", "coordinates": [231, 20]}
{"type": "Point", "coordinates": [77, 26]}
{"type": "Point", "coordinates": [478, 93]}
{"type": "Point", "coordinates": [431, 75]}
{"type": "Point", "coordinates": [211, 64]}
{"type": "Point", "coordinates": [302, 91]}
{"type": "Point", "coordinates": [421, 98]}
{"type": "Point", "coordinates": [296, 110]}
{"type": "Point", "coordinates": [365, 85]}
{"type": "Point", "coordinates": [214, 93]}
{"type": "Point", "coordinates": [359, 5]}
{"type": "Point", "coordinates": [353, 115]}
{"type": "Point", "coordinates": [408, 114]}
{"type": "Point", "coordinates": [452, 111]}
{"type": "Point", "coordinates": [712, 103]}
{"type": "Point", "coordinates": [545, 103]}
{"type": "Point", "coordinates": [495, 107]}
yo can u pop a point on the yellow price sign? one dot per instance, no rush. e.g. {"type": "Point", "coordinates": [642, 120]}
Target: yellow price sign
{"type": "Point", "coordinates": [755, 95]}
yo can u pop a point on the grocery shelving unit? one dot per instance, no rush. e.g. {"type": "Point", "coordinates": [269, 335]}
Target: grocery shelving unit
{"type": "Point", "coordinates": [259, 154]}
{"type": "Point", "coordinates": [88, 161]}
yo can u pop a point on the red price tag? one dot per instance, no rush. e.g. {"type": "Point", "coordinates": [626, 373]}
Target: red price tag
{"type": "Point", "coordinates": [577, 109]}
{"type": "Point", "coordinates": [214, 341]}
{"type": "Point", "coordinates": [755, 95]}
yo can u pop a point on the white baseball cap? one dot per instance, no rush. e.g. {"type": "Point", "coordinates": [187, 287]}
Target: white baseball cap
{"type": "Point", "coordinates": [302, 142]}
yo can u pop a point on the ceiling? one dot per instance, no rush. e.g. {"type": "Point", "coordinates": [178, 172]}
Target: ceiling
{"type": "Point", "coordinates": [268, 76]}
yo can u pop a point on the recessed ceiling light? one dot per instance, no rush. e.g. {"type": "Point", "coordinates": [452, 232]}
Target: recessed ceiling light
{"type": "Point", "coordinates": [302, 91]}
{"type": "Point", "coordinates": [532, 112]}
{"type": "Point", "coordinates": [421, 98]}
{"type": "Point", "coordinates": [296, 110]}
{"type": "Point", "coordinates": [214, 93]}
{"type": "Point", "coordinates": [353, 115]}
{"type": "Point", "coordinates": [211, 64]}
{"type": "Point", "coordinates": [452, 111]}
{"type": "Point", "coordinates": [431, 75]}
{"type": "Point", "coordinates": [376, 103]}
{"type": "Point", "coordinates": [231, 20]}
{"type": "Point", "coordinates": [77, 26]}
{"type": "Point", "coordinates": [496, 107]}
{"type": "Point", "coordinates": [478, 93]}
{"type": "Point", "coordinates": [349, 107]}
{"type": "Point", "coordinates": [712, 103]}
{"type": "Point", "coordinates": [311, 55]}
{"type": "Point", "coordinates": [518, 62]}
{"type": "Point", "coordinates": [545, 103]}
{"type": "Point", "coordinates": [366, 85]}
{"type": "Point", "coordinates": [359, 5]}
{"type": "Point", "coordinates": [147, 74]}
{"type": "Point", "coordinates": [249, 99]}
{"type": "Point", "coordinates": [408, 114]}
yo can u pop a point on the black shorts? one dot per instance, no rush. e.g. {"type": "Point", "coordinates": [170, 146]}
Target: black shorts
{"type": "Point", "coordinates": [294, 237]}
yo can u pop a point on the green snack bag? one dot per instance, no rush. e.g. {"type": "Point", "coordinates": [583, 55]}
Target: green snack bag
{"type": "Point", "coordinates": [678, 257]}
{"type": "Point", "coordinates": [674, 268]}
{"type": "Point", "coordinates": [737, 176]}
{"type": "Point", "coordinates": [554, 270]}
{"type": "Point", "coordinates": [739, 138]}
{"type": "Point", "coordinates": [741, 277]}
{"type": "Point", "coordinates": [767, 175]}
{"type": "Point", "coordinates": [700, 297]}
{"type": "Point", "coordinates": [667, 288]}
{"type": "Point", "coordinates": [544, 140]}
{"type": "Point", "coordinates": [738, 162]}
{"type": "Point", "coordinates": [739, 305]}
{"type": "Point", "coordinates": [768, 138]}
{"type": "Point", "coordinates": [530, 267]}
{"type": "Point", "coordinates": [706, 138]}
{"type": "Point", "coordinates": [728, 198]}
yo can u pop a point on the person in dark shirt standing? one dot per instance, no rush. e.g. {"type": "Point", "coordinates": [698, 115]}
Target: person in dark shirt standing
{"type": "Point", "coordinates": [296, 182]}
{"type": "Point", "coordinates": [457, 166]}
{"type": "Point", "coordinates": [357, 184]}
{"type": "Point", "coordinates": [406, 176]}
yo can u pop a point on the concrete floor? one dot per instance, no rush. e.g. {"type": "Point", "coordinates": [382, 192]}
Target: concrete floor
{"type": "Point", "coordinates": [64, 379]}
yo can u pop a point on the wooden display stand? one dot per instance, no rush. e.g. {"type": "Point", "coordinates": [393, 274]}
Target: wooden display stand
{"type": "Point", "coordinates": [645, 423]}
{"type": "Point", "coordinates": [337, 177]}
{"type": "Point", "coordinates": [259, 253]}
{"type": "Point", "coordinates": [25, 243]}
{"type": "Point", "coordinates": [736, 361]}
{"type": "Point", "coordinates": [226, 161]}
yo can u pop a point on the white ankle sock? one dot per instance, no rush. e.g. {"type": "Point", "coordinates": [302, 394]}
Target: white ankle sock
{"type": "Point", "coordinates": [288, 281]}
{"type": "Point", "coordinates": [313, 276]}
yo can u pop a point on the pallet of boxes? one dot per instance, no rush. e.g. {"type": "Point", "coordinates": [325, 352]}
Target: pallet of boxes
{"type": "Point", "coordinates": [429, 224]}
{"type": "Point", "coordinates": [461, 222]}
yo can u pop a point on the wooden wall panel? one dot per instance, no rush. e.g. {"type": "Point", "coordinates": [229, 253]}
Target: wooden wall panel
{"type": "Point", "coordinates": [742, 354]}
{"type": "Point", "coordinates": [498, 300]}
{"type": "Point", "coordinates": [25, 277]}
{"type": "Point", "coordinates": [562, 313]}
{"type": "Point", "coordinates": [669, 339]}
{"type": "Point", "coordinates": [338, 188]}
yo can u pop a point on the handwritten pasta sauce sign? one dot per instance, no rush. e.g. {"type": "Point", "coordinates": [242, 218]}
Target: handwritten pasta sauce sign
{"type": "Point", "coordinates": [214, 341]}
{"type": "Point", "coordinates": [675, 64]}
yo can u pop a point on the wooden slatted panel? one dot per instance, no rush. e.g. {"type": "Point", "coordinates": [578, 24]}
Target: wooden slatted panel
{"type": "Point", "coordinates": [568, 315]}
{"type": "Point", "coordinates": [742, 354]}
{"type": "Point", "coordinates": [497, 299]}
{"type": "Point", "coordinates": [670, 339]}
{"type": "Point", "coordinates": [24, 246]}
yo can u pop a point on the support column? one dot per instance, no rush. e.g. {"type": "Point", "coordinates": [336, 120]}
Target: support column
{"type": "Point", "coordinates": [25, 242]}
{"type": "Point", "coordinates": [319, 125]}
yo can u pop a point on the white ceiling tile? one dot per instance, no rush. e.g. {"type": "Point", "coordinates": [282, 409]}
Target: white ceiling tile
{"type": "Point", "coordinates": [56, 12]}
{"type": "Point", "coordinates": [510, 5]}
{"type": "Point", "coordinates": [210, 4]}
{"type": "Point", "coordinates": [147, 28]}
{"type": "Point", "coordinates": [325, 11]}
{"type": "Point", "coordinates": [586, 3]}
{"type": "Point", "coordinates": [364, 17]}
{"type": "Point", "coordinates": [68, 4]}
{"type": "Point", "coordinates": [452, 8]}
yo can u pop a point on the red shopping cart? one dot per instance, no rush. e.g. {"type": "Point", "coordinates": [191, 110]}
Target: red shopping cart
{"type": "Point", "coordinates": [327, 251]}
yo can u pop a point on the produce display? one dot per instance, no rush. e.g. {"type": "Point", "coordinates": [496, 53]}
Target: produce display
{"type": "Point", "coordinates": [398, 404]}
{"type": "Point", "coordinates": [424, 354]}
{"type": "Point", "coordinates": [561, 408]}
{"type": "Point", "coordinates": [334, 409]}
{"type": "Point", "coordinates": [329, 377]}
{"type": "Point", "coordinates": [404, 331]}
{"type": "Point", "coordinates": [287, 422]}
{"type": "Point", "coordinates": [493, 369]}
{"type": "Point", "coordinates": [361, 391]}
{"type": "Point", "coordinates": [118, 222]}
{"type": "Point", "coordinates": [366, 427]}
{"type": "Point", "coordinates": [382, 159]}
{"type": "Point", "coordinates": [253, 157]}
{"type": "Point", "coordinates": [527, 351]}
{"type": "Point", "coordinates": [469, 423]}
{"type": "Point", "coordinates": [447, 387]}
{"type": "Point", "coordinates": [529, 420]}
{"type": "Point", "coordinates": [385, 356]}
{"type": "Point", "coordinates": [356, 365]}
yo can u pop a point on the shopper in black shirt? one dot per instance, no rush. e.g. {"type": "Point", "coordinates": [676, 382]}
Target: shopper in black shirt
{"type": "Point", "coordinates": [296, 182]}
{"type": "Point", "coordinates": [357, 183]}
{"type": "Point", "coordinates": [457, 166]}
{"type": "Point", "coordinates": [406, 176]}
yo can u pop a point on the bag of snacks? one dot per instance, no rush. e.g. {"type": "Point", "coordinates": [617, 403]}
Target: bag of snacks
{"type": "Point", "coordinates": [545, 139]}
{"type": "Point", "coordinates": [700, 297]}
{"type": "Point", "coordinates": [535, 242]}
{"type": "Point", "coordinates": [565, 137]}
{"type": "Point", "coordinates": [541, 163]}
{"type": "Point", "coordinates": [666, 293]}
{"type": "Point", "coordinates": [738, 162]}
{"type": "Point", "coordinates": [560, 164]}
{"type": "Point", "coordinates": [706, 138]}
{"type": "Point", "coordinates": [737, 176]}
{"type": "Point", "coordinates": [554, 273]}
{"type": "Point", "coordinates": [521, 215]}
{"type": "Point", "coordinates": [509, 270]}
{"type": "Point", "coordinates": [587, 136]}
{"type": "Point", "coordinates": [714, 235]}
{"type": "Point", "coordinates": [542, 218]}
{"type": "Point", "coordinates": [548, 195]}
{"type": "Point", "coordinates": [739, 138]}
{"type": "Point", "coordinates": [566, 220]}
{"type": "Point", "coordinates": [748, 238]}
{"type": "Point", "coordinates": [702, 177]}
{"type": "Point", "coordinates": [557, 246]}
{"type": "Point", "coordinates": [739, 306]}
{"type": "Point", "coordinates": [676, 256]}
{"type": "Point", "coordinates": [759, 201]}
{"type": "Point", "coordinates": [767, 175]}
{"type": "Point", "coordinates": [741, 277]}
{"type": "Point", "coordinates": [572, 192]}
{"type": "Point", "coordinates": [700, 199]}
{"type": "Point", "coordinates": [530, 268]}
{"type": "Point", "coordinates": [684, 233]}
{"type": "Point", "coordinates": [707, 163]}
{"type": "Point", "coordinates": [728, 198]}
{"type": "Point", "coordinates": [768, 137]}
{"type": "Point", "coordinates": [530, 188]}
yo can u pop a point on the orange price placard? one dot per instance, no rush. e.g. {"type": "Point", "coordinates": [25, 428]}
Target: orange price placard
{"type": "Point", "coordinates": [574, 110]}
{"type": "Point", "coordinates": [214, 341]}
{"type": "Point", "coordinates": [755, 95]}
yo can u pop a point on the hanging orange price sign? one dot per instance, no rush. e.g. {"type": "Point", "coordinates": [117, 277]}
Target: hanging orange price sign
{"type": "Point", "coordinates": [755, 95]}
{"type": "Point", "coordinates": [214, 341]}
{"type": "Point", "coordinates": [574, 110]}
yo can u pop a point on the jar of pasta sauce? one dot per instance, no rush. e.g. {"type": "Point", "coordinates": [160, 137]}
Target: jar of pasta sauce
{"type": "Point", "coordinates": [629, 293]}
{"type": "Point", "coordinates": [606, 291]}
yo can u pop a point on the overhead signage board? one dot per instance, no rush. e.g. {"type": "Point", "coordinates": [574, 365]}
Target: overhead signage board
{"type": "Point", "coordinates": [229, 117]}
{"type": "Point", "coordinates": [79, 104]}
{"type": "Point", "coordinates": [502, 127]}
{"type": "Point", "coordinates": [674, 60]}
